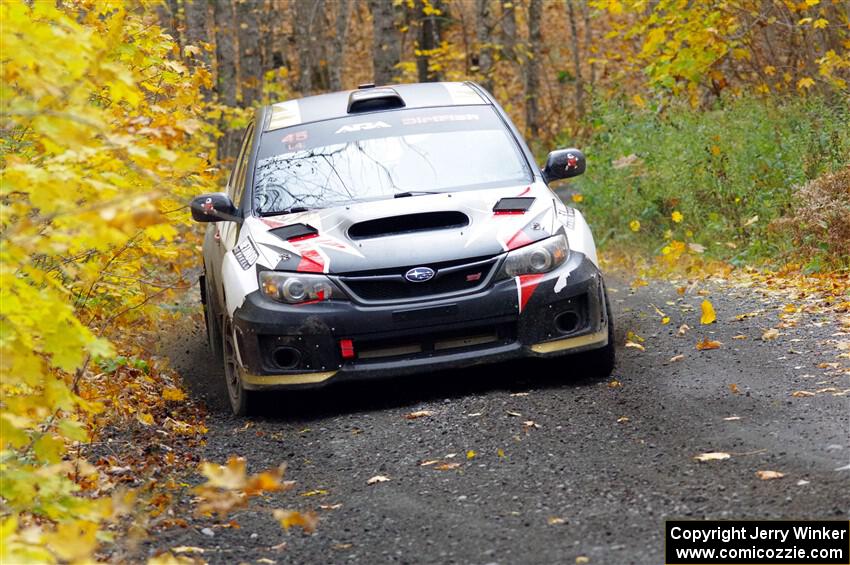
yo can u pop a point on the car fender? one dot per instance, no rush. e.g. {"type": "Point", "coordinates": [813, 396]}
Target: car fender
{"type": "Point", "coordinates": [579, 235]}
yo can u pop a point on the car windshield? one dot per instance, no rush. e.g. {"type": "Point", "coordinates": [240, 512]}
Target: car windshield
{"type": "Point", "coordinates": [384, 154]}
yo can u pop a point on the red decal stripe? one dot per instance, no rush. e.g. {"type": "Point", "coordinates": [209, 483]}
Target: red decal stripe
{"type": "Point", "coordinates": [311, 262]}
{"type": "Point", "coordinates": [508, 212]}
{"type": "Point", "coordinates": [272, 223]}
{"type": "Point", "coordinates": [527, 189]}
{"type": "Point", "coordinates": [527, 284]}
{"type": "Point", "coordinates": [302, 237]}
{"type": "Point", "coordinates": [518, 240]}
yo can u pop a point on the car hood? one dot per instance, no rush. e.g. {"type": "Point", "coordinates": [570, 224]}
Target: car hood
{"type": "Point", "coordinates": [403, 232]}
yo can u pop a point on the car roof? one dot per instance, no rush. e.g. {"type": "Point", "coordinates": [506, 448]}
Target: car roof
{"type": "Point", "coordinates": [338, 104]}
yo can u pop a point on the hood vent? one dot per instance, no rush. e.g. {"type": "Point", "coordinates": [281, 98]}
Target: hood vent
{"type": "Point", "coordinates": [516, 205]}
{"type": "Point", "coordinates": [295, 231]}
{"type": "Point", "coordinates": [409, 223]}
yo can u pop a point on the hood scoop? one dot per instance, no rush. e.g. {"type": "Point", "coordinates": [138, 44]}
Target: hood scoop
{"type": "Point", "coordinates": [515, 205]}
{"type": "Point", "coordinates": [295, 232]}
{"type": "Point", "coordinates": [408, 223]}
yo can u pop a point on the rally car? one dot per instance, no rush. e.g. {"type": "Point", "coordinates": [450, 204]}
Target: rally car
{"type": "Point", "coordinates": [392, 230]}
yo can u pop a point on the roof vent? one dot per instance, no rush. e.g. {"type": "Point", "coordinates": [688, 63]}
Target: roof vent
{"type": "Point", "coordinates": [373, 99]}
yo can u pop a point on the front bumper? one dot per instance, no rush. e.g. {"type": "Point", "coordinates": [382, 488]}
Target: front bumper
{"type": "Point", "coordinates": [285, 346]}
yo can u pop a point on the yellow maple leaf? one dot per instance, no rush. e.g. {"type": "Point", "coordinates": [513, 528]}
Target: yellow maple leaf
{"type": "Point", "coordinates": [820, 23]}
{"type": "Point", "coordinates": [708, 315]}
{"type": "Point", "coordinates": [173, 393]}
{"type": "Point", "coordinates": [305, 520]}
{"type": "Point", "coordinates": [805, 82]}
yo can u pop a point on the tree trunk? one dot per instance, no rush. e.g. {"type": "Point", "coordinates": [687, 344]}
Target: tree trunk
{"type": "Point", "coordinates": [250, 66]}
{"type": "Point", "coordinates": [337, 55]}
{"type": "Point", "coordinates": [305, 14]}
{"type": "Point", "coordinates": [532, 76]}
{"type": "Point", "coordinates": [588, 41]}
{"type": "Point", "coordinates": [509, 34]}
{"type": "Point", "coordinates": [430, 31]}
{"type": "Point", "coordinates": [576, 48]}
{"type": "Point", "coordinates": [484, 38]}
{"type": "Point", "coordinates": [386, 41]}
{"type": "Point", "coordinates": [225, 49]}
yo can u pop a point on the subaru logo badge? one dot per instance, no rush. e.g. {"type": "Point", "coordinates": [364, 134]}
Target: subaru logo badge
{"type": "Point", "coordinates": [419, 274]}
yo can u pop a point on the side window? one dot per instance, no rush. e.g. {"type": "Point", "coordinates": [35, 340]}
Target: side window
{"type": "Point", "coordinates": [236, 181]}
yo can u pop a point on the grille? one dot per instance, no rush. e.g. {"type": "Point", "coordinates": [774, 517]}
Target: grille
{"type": "Point", "coordinates": [435, 343]}
{"type": "Point", "coordinates": [450, 278]}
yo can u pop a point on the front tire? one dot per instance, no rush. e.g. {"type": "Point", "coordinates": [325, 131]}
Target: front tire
{"type": "Point", "coordinates": [239, 398]}
{"type": "Point", "coordinates": [212, 320]}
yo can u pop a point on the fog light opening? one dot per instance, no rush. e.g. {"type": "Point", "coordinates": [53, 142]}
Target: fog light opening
{"type": "Point", "coordinates": [286, 357]}
{"type": "Point", "coordinates": [566, 322]}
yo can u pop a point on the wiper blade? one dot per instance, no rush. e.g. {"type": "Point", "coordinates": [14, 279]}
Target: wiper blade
{"type": "Point", "coordinates": [292, 210]}
{"type": "Point", "coordinates": [415, 193]}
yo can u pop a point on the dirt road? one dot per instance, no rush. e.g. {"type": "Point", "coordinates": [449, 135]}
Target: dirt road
{"type": "Point", "coordinates": [562, 466]}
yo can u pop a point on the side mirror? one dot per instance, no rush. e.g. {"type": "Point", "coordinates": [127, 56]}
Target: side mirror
{"type": "Point", "coordinates": [214, 207]}
{"type": "Point", "coordinates": [564, 164]}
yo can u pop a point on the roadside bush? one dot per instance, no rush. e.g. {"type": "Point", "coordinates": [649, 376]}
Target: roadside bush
{"type": "Point", "coordinates": [819, 222]}
{"type": "Point", "coordinates": [713, 180]}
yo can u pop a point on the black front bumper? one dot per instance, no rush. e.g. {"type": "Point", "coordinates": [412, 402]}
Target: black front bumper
{"type": "Point", "coordinates": [285, 346]}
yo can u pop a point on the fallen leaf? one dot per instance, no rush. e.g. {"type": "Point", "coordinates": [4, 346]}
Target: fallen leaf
{"type": "Point", "coordinates": [317, 492]}
{"type": "Point", "coordinates": [734, 388]}
{"type": "Point", "coordinates": [279, 547]}
{"type": "Point", "coordinates": [187, 549]}
{"type": "Point", "coordinates": [520, 394]}
{"type": "Point", "coordinates": [447, 466]}
{"type": "Point", "coordinates": [470, 454]}
{"type": "Point", "coordinates": [474, 414]}
{"type": "Point", "coordinates": [419, 414]}
{"type": "Point", "coordinates": [713, 456]}
{"type": "Point", "coordinates": [708, 314]}
{"type": "Point", "coordinates": [665, 320]}
{"type": "Point", "coordinates": [330, 506]}
{"type": "Point", "coordinates": [708, 344]}
{"type": "Point", "coordinates": [582, 560]}
{"type": "Point", "coordinates": [802, 393]}
{"type": "Point", "coordinates": [615, 384]}
{"type": "Point", "coordinates": [266, 560]}
{"type": "Point", "coordinates": [676, 358]}
{"type": "Point", "coordinates": [343, 546]}
{"type": "Point", "coordinates": [634, 345]}
{"type": "Point", "coordinates": [429, 462]}
{"type": "Point", "coordinates": [683, 330]}
{"type": "Point", "coordinates": [772, 333]}
{"type": "Point", "coordinates": [732, 418]}
{"type": "Point", "coordinates": [555, 520]}
{"type": "Point", "coordinates": [377, 479]}
{"type": "Point", "coordinates": [500, 452]}
{"type": "Point", "coordinates": [739, 336]}
{"type": "Point", "coordinates": [768, 475]}
{"type": "Point", "coordinates": [305, 520]}
{"type": "Point", "coordinates": [531, 424]}
{"type": "Point", "coordinates": [514, 414]}
{"type": "Point", "coordinates": [622, 419]}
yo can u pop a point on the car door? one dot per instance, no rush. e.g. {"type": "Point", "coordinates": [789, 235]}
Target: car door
{"type": "Point", "coordinates": [223, 235]}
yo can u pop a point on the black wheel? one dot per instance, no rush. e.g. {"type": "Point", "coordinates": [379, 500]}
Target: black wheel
{"type": "Point", "coordinates": [599, 363]}
{"type": "Point", "coordinates": [240, 399]}
{"type": "Point", "coordinates": [211, 319]}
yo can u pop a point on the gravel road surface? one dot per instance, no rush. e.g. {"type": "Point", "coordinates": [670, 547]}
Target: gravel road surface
{"type": "Point", "coordinates": [563, 466]}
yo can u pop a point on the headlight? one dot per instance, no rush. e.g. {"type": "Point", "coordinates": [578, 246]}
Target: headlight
{"type": "Point", "coordinates": [296, 288]}
{"type": "Point", "coordinates": [537, 258]}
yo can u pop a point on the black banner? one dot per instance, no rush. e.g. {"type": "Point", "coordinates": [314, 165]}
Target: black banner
{"type": "Point", "coordinates": [757, 542]}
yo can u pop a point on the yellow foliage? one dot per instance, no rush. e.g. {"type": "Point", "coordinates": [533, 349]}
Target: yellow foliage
{"type": "Point", "coordinates": [100, 144]}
